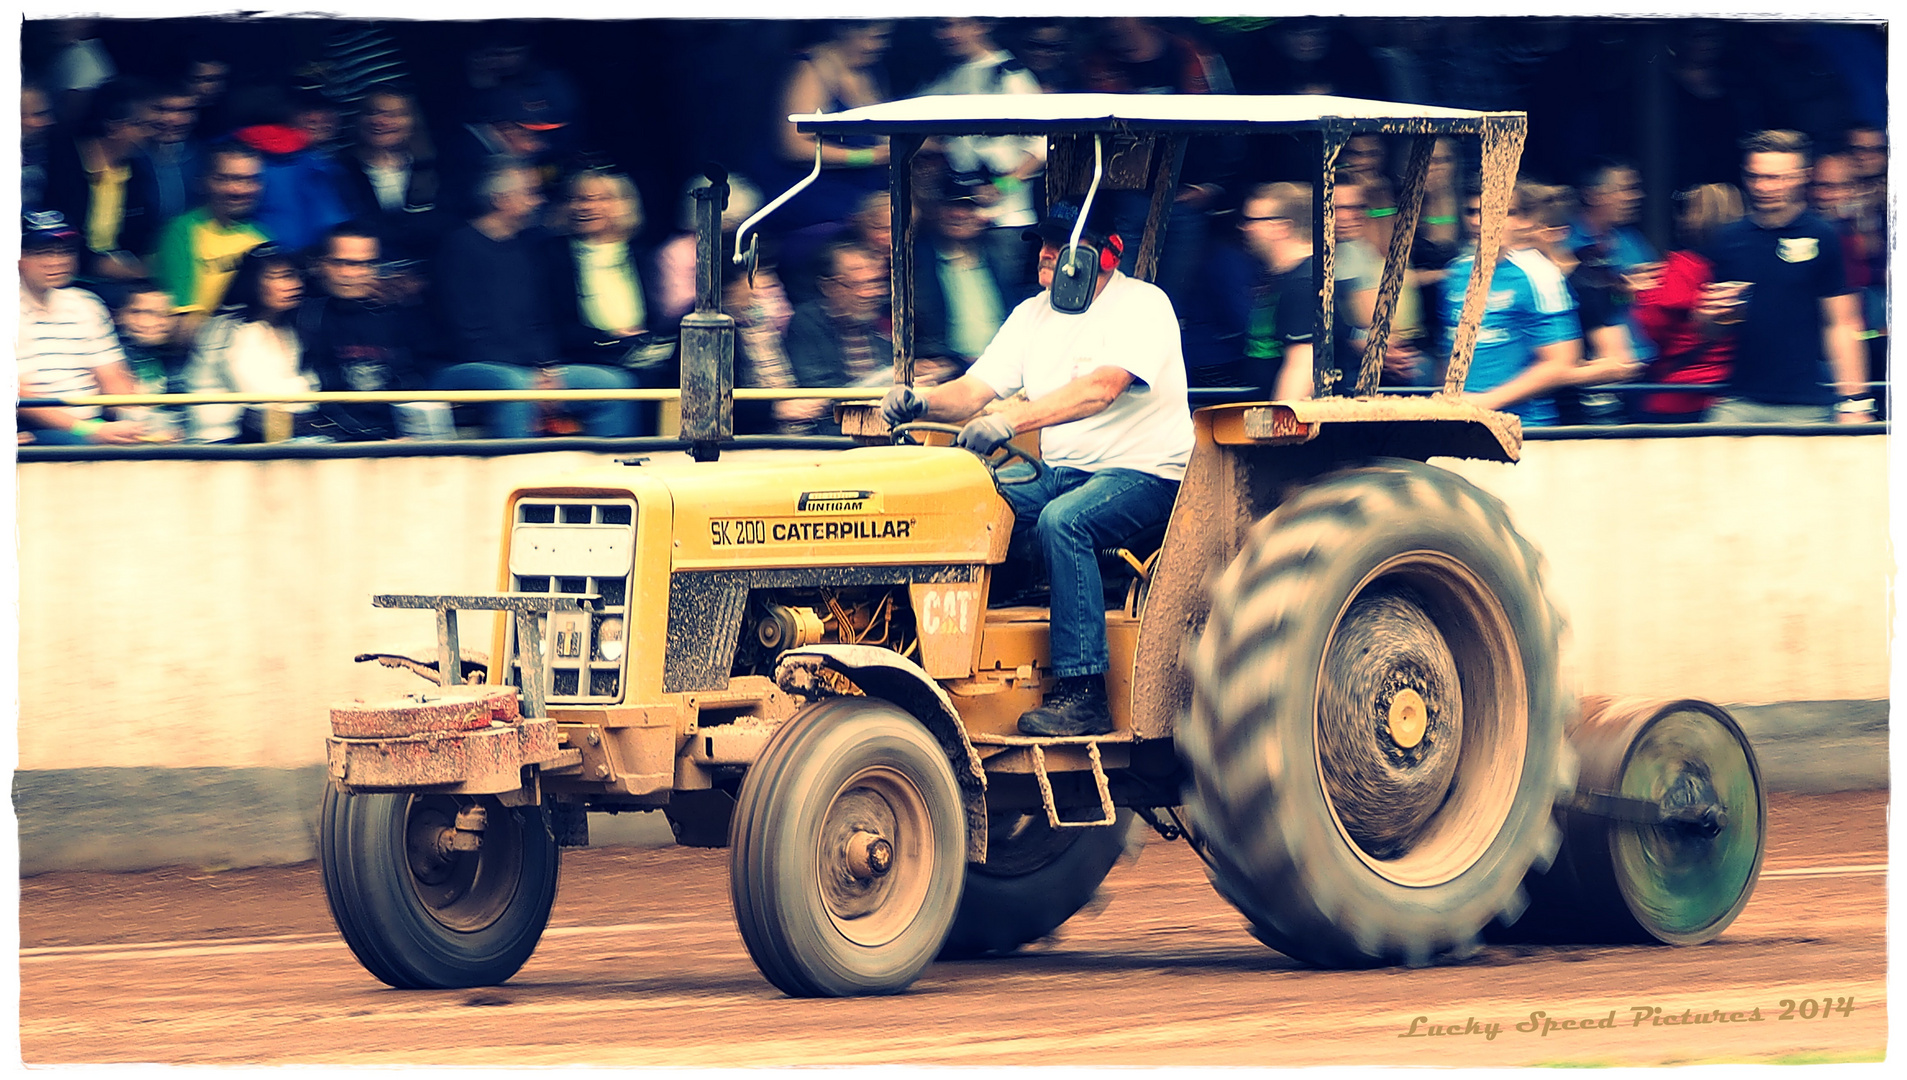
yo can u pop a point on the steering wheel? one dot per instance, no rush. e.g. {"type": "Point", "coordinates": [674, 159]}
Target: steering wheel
{"type": "Point", "coordinates": [1005, 453]}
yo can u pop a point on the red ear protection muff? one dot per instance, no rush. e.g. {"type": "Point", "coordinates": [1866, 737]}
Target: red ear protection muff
{"type": "Point", "coordinates": [1110, 254]}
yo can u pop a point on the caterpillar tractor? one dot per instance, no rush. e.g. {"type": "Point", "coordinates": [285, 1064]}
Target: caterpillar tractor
{"type": "Point", "coordinates": [1335, 673]}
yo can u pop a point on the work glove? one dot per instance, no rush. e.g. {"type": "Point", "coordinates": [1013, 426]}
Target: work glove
{"type": "Point", "coordinates": [985, 434]}
{"type": "Point", "coordinates": [901, 405]}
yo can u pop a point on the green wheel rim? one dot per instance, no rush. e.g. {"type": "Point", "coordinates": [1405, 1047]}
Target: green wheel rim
{"type": "Point", "coordinates": [1679, 881]}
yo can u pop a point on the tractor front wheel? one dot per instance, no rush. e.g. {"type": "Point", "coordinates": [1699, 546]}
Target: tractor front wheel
{"type": "Point", "coordinates": [437, 891]}
{"type": "Point", "coordinates": [848, 851]}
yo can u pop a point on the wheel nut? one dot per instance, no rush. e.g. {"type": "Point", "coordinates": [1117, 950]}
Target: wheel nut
{"type": "Point", "coordinates": [869, 855]}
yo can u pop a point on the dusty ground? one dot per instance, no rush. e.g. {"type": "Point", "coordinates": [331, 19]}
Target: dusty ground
{"type": "Point", "coordinates": [642, 967]}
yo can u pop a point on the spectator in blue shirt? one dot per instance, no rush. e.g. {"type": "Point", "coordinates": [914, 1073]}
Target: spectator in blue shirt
{"type": "Point", "coordinates": [1530, 342]}
{"type": "Point", "coordinates": [300, 199]}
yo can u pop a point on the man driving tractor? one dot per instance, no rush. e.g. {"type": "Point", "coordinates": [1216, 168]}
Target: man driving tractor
{"type": "Point", "coordinates": [1104, 380]}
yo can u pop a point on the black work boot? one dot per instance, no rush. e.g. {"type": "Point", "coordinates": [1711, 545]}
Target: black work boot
{"type": "Point", "coordinates": [1077, 706]}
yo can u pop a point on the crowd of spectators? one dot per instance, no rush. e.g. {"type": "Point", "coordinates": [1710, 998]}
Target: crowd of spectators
{"type": "Point", "coordinates": [196, 219]}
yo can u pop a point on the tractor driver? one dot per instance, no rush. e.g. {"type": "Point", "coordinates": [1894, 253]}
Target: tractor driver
{"type": "Point", "coordinates": [1105, 382]}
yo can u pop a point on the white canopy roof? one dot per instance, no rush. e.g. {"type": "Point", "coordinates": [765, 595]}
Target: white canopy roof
{"type": "Point", "coordinates": [1031, 114]}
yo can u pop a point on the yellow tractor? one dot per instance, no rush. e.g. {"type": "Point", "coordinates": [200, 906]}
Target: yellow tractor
{"type": "Point", "coordinates": [1336, 673]}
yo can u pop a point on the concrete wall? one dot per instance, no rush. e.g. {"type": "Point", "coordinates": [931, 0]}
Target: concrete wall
{"type": "Point", "coordinates": [180, 616]}
{"type": "Point", "coordinates": [1732, 569]}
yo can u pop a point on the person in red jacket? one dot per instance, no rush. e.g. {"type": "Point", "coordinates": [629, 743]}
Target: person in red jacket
{"type": "Point", "coordinates": [1688, 313]}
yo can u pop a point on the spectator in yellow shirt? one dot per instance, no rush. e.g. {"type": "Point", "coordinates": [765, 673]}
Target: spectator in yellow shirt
{"type": "Point", "coordinates": [200, 250]}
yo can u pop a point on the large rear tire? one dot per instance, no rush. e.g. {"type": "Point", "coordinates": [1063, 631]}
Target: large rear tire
{"type": "Point", "coordinates": [1035, 878]}
{"type": "Point", "coordinates": [421, 917]}
{"type": "Point", "coordinates": [848, 852]}
{"type": "Point", "coordinates": [1376, 732]}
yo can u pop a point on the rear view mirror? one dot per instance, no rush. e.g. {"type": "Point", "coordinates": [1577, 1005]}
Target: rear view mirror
{"type": "Point", "coordinates": [1074, 278]}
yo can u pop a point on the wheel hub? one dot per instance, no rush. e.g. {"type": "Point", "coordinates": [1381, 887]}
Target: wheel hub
{"type": "Point", "coordinates": [1390, 721]}
{"type": "Point", "coordinates": [1691, 803]}
{"type": "Point", "coordinates": [1690, 839]}
{"type": "Point", "coordinates": [431, 858]}
{"type": "Point", "coordinates": [869, 855]}
{"type": "Point", "coordinates": [462, 869]}
{"type": "Point", "coordinates": [875, 854]}
{"type": "Point", "coordinates": [1686, 877]}
{"type": "Point", "coordinates": [1407, 718]}
{"type": "Point", "coordinates": [857, 853]}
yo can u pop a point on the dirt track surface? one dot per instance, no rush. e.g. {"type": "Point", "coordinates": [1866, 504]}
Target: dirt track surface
{"type": "Point", "coordinates": [642, 966]}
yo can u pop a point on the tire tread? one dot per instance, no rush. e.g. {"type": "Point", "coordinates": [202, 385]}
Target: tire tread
{"type": "Point", "coordinates": [1270, 859]}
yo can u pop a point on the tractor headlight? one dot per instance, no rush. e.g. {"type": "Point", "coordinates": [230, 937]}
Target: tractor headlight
{"type": "Point", "coordinates": [609, 638]}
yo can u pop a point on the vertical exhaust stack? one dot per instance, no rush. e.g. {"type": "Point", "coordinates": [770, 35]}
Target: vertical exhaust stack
{"type": "Point", "coordinates": [708, 335]}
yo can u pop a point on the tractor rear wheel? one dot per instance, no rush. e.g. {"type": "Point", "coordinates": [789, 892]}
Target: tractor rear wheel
{"type": "Point", "coordinates": [848, 851]}
{"type": "Point", "coordinates": [1035, 878]}
{"type": "Point", "coordinates": [423, 908]}
{"type": "Point", "coordinates": [1376, 732]}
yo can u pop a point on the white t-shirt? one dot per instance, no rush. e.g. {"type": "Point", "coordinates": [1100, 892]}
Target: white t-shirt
{"type": "Point", "coordinates": [1359, 267]}
{"type": "Point", "coordinates": [611, 297]}
{"type": "Point", "coordinates": [390, 183]}
{"type": "Point", "coordinates": [233, 355]}
{"type": "Point", "coordinates": [995, 73]}
{"type": "Point", "coordinates": [1131, 326]}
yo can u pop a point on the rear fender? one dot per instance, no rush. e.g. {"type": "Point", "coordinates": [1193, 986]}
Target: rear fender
{"type": "Point", "coordinates": [1246, 460]}
{"type": "Point", "coordinates": [888, 675]}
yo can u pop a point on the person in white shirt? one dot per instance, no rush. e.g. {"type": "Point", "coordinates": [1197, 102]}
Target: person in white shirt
{"type": "Point", "coordinates": [1001, 172]}
{"type": "Point", "coordinates": [65, 346]}
{"type": "Point", "coordinates": [252, 347]}
{"type": "Point", "coordinates": [1106, 388]}
{"type": "Point", "coordinates": [80, 67]}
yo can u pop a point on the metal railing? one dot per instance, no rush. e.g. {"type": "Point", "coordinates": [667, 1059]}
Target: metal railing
{"type": "Point", "coordinates": [1200, 396]}
{"type": "Point", "coordinates": [486, 447]}
{"type": "Point", "coordinates": [454, 397]}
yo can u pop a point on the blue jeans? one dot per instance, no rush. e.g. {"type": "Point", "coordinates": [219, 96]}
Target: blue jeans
{"type": "Point", "coordinates": [517, 419]}
{"type": "Point", "coordinates": [1070, 514]}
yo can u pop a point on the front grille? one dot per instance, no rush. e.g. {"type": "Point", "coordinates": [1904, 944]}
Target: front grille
{"type": "Point", "coordinates": [575, 546]}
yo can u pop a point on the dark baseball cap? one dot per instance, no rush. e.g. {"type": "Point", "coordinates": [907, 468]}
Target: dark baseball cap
{"type": "Point", "coordinates": [40, 229]}
{"type": "Point", "coordinates": [1057, 226]}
